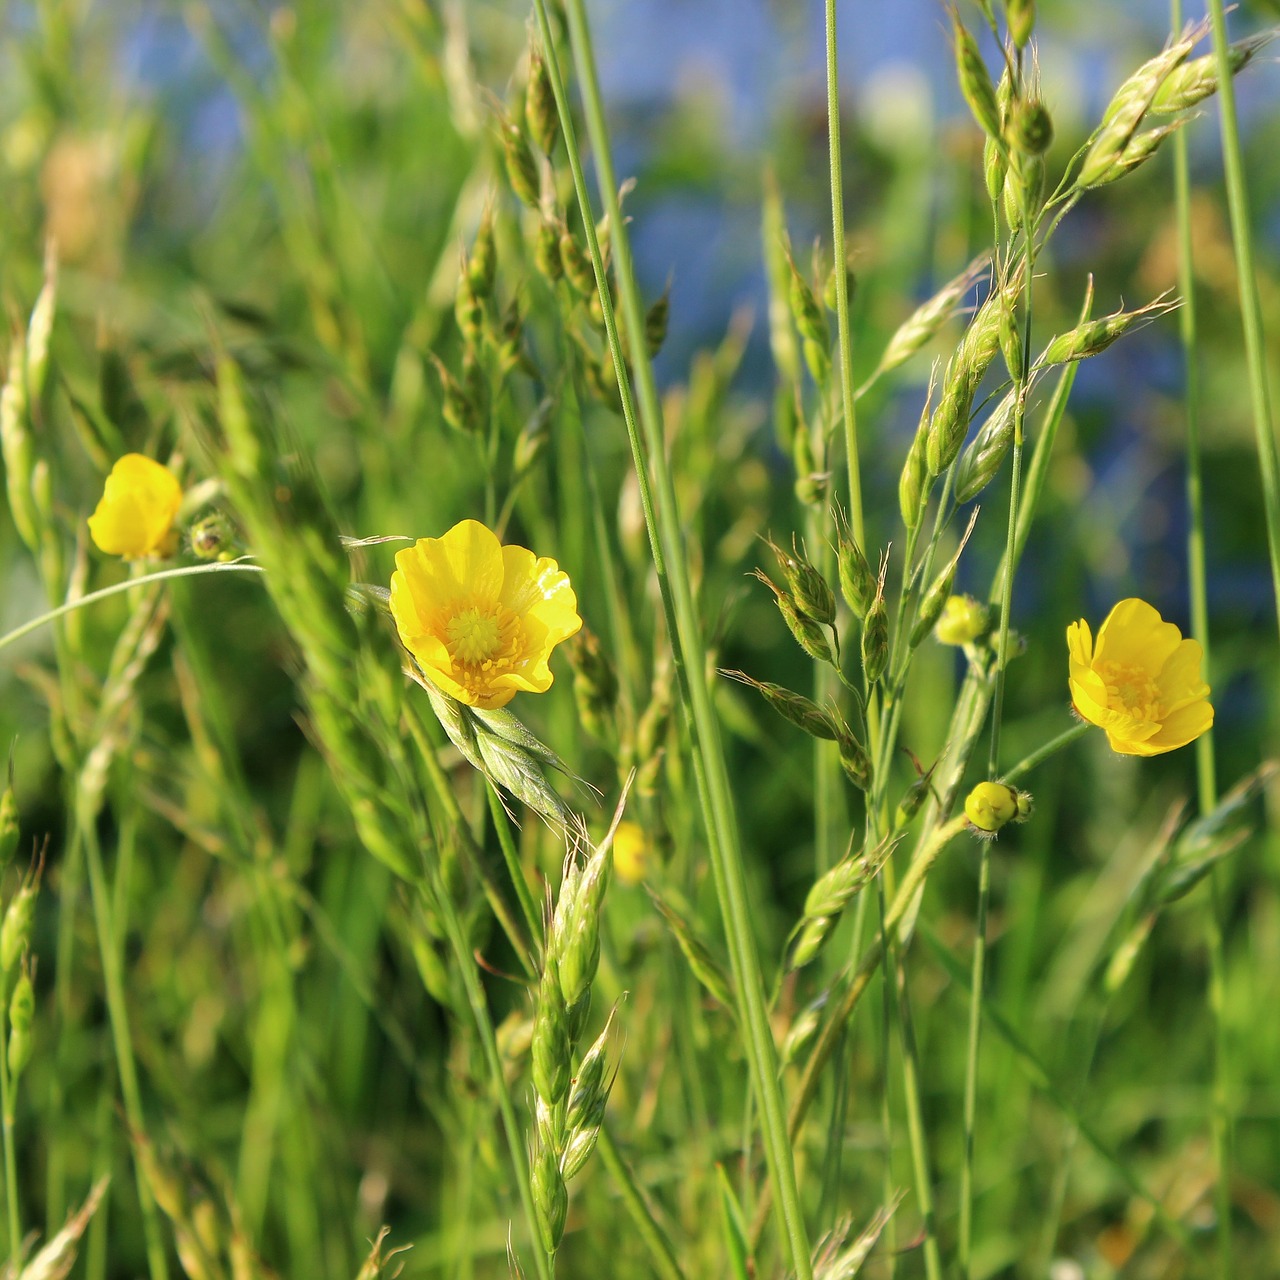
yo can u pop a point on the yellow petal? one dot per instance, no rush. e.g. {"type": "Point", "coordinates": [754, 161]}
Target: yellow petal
{"type": "Point", "coordinates": [1180, 727]}
{"type": "Point", "coordinates": [1080, 643]}
{"type": "Point", "coordinates": [1135, 635]}
{"type": "Point", "coordinates": [1180, 678]}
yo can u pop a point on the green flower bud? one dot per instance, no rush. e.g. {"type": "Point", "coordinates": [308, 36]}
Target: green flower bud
{"type": "Point", "coordinates": [550, 1197]}
{"type": "Point", "coordinates": [551, 1047]}
{"type": "Point", "coordinates": [546, 250]}
{"type": "Point", "coordinates": [855, 762]}
{"type": "Point", "coordinates": [577, 266]}
{"type": "Point", "coordinates": [482, 266]}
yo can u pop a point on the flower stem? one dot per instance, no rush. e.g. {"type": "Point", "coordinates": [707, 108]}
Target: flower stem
{"type": "Point", "coordinates": [129, 584]}
{"type": "Point", "coordinates": [1054, 745]}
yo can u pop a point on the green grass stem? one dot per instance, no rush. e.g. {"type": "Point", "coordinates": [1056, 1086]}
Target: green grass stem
{"type": "Point", "coordinates": [666, 538]}
{"type": "Point", "coordinates": [1250, 305]}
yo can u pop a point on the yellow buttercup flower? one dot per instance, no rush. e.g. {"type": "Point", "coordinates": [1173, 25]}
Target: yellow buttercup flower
{"type": "Point", "coordinates": [1142, 682]}
{"type": "Point", "coordinates": [480, 618]}
{"type": "Point", "coordinates": [140, 501]}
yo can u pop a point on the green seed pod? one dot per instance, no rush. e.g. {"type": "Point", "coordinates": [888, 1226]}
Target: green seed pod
{"type": "Point", "coordinates": [813, 933]}
{"type": "Point", "coordinates": [522, 169]}
{"type": "Point", "coordinates": [456, 408]}
{"type": "Point", "coordinates": [802, 712]}
{"type": "Point", "coordinates": [16, 444]}
{"type": "Point", "coordinates": [914, 482]}
{"type": "Point", "coordinates": [546, 250]}
{"type": "Point", "coordinates": [805, 311]}
{"type": "Point", "coordinates": [577, 266]}
{"type": "Point", "coordinates": [935, 598]}
{"type": "Point", "coordinates": [40, 327]}
{"type": "Point", "coordinates": [857, 582]}
{"type": "Point", "coordinates": [809, 589]}
{"type": "Point", "coordinates": [855, 762]}
{"type": "Point", "coordinates": [22, 1008]}
{"type": "Point", "coordinates": [551, 1047]}
{"type": "Point", "coordinates": [1196, 80]}
{"type": "Point", "coordinates": [1020, 16]}
{"type": "Point", "coordinates": [801, 1032]}
{"type": "Point", "coordinates": [1030, 127]}
{"type": "Point", "coordinates": [550, 1197]}
{"type": "Point", "coordinates": [811, 483]}
{"type": "Point", "coordinates": [994, 169]}
{"type": "Point", "coordinates": [984, 455]}
{"type": "Point", "coordinates": [1093, 336]}
{"type": "Point", "coordinates": [655, 322]}
{"type": "Point", "coordinates": [9, 830]}
{"type": "Point", "coordinates": [975, 79]}
{"type": "Point", "coordinates": [912, 798]}
{"type": "Point", "coordinates": [875, 640]}
{"type": "Point", "coordinates": [468, 310]}
{"type": "Point", "coordinates": [482, 266]}
{"type": "Point", "coordinates": [15, 932]}
{"type": "Point", "coordinates": [1011, 341]}
{"type": "Point", "coordinates": [577, 937]}
{"type": "Point", "coordinates": [540, 114]}
{"type": "Point", "coordinates": [808, 634]}
{"type": "Point", "coordinates": [702, 964]}
{"type": "Point", "coordinates": [595, 684]}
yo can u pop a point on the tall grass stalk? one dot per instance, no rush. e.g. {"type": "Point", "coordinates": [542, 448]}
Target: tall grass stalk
{"type": "Point", "coordinates": [844, 334]}
{"type": "Point", "coordinates": [1250, 305]}
{"type": "Point", "coordinates": [1206, 775]}
{"type": "Point", "coordinates": [665, 536]}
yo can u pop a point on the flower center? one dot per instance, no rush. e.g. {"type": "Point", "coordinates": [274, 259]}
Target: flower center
{"type": "Point", "coordinates": [1132, 690]}
{"type": "Point", "coordinates": [473, 635]}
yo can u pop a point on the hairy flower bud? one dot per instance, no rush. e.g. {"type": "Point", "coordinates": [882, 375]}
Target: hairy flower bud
{"type": "Point", "coordinates": [993, 805]}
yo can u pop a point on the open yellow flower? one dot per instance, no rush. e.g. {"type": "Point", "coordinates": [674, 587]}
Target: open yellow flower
{"type": "Point", "coordinates": [1142, 682]}
{"type": "Point", "coordinates": [480, 618]}
{"type": "Point", "coordinates": [140, 501]}
{"type": "Point", "coordinates": [630, 852]}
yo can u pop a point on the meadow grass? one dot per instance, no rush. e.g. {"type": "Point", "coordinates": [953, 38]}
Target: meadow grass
{"type": "Point", "coordinates": [799, 928]}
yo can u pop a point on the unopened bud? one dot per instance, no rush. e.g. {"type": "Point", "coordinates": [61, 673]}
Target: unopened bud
{"type": "Point", "coordinates": [936, 597]}
{"type": "Point", "coordinates": [550, 1197]}
{"type": "Point", "coordinates": [210, 537]}
{"type": "Point", "coordinates": [1196, 80]}
{"type": "Point", "coordinates": [1093, 336]}
{"type": "Point", "coordinates": [875, 639]}
{"type": "Point", "coordinates": [577, 266]}
{"type": "Point", "coordinates": [855, 761]}
{"type": "Point", "coordinates": [993, 805]}
{"type": "Point", "coordinates": [551, 1047]}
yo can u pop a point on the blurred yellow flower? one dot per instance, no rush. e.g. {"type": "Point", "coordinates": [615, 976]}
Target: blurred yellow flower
{"type": "Point", "coordinates": [963, 621]}
{"type": "Point", "coordinates": [1142, 682]}
{"type": "Point", "coordinates": [480, 618]}
{"type": "Point", "coordinates": [630, 853]}
{"type": "Point", "coordinates": [139, 502]}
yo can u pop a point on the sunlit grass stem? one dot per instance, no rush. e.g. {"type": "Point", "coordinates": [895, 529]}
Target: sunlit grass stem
{"type": "Point", "coordinates": [1250, 305]}
{"type": "Point", "coordinates": [666, 538]}
{"type": "Point", "coordinates": [1206, 774]}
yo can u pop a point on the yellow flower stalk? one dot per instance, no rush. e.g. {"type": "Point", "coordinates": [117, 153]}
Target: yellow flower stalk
{"type": "Point", "coordinates": [135, 516]}
{"type": "Point", "coordinates": [481, 619]}
{"type": "Point", "coordinates": [1141, 682]}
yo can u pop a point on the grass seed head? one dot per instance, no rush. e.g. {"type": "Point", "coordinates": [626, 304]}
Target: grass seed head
{"type": "Point", "coordinates": [975, 79]}
{"type": "Point", "coordinates": [540, 114]}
